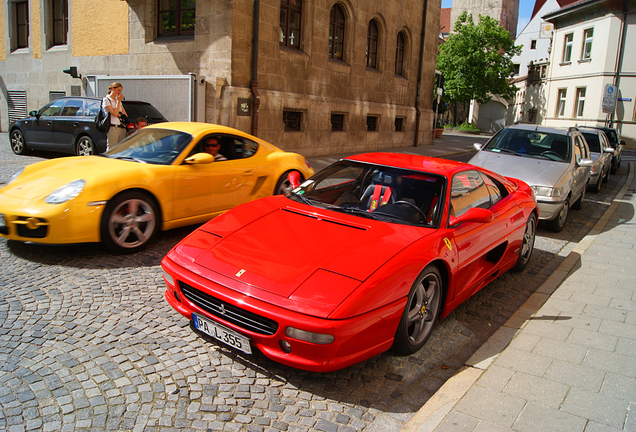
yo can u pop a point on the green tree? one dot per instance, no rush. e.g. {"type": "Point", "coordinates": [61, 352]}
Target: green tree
{"type": "Point", "coordinates": [476, 61]}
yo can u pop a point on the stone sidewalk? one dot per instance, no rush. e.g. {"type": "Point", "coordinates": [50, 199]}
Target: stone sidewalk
{"type": "Point", "coordinates": [566, 360]}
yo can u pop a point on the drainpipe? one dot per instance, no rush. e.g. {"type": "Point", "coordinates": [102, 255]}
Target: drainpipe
{"type": "Point", "coordinates": [619, 59]}
{"type": "Point", "coordinates": [254, 83]}
{"type": "Point", "coordinates": [418, 110]}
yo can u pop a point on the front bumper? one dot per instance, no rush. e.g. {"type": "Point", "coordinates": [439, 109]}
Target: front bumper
{"type": "Point", "coordinates": [548, 210]}
{"type": "Point", "coordinates": [355, 339]}
{"type": "Point", "coordinates": [70, 222]}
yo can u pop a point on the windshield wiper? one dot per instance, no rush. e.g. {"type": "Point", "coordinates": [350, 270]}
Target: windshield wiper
{"type": "Point", "coordinates": [301, 197]}
{"type": "Point", "coordinates": [505, 150]}
{"type": "Point", "coordinates": [130, 158]}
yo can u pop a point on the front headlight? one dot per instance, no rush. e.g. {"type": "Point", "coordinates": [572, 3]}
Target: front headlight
{"type": "Point", "coordinates": [545, 191]}
{"type": "Point", "coordinates": [66, 192]}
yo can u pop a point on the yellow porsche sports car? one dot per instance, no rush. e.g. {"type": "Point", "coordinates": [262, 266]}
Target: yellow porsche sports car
{"type": "Point", "coordinates": [161, 177]}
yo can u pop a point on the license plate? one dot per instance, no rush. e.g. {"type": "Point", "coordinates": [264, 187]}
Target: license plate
{"type": "Point", "coordinates": [222, 334]}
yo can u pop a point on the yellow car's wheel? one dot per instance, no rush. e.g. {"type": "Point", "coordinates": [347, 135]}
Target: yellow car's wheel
{"type": "Point", "coordinates": [284, 185]}
{"type": "Point", "coordinates": [129, 222]}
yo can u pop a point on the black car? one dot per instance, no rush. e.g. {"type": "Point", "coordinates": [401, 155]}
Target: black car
{"type": "Point", "coordinates": [67, 125]}
{"type": "Point", "coordinates": [615, 142]}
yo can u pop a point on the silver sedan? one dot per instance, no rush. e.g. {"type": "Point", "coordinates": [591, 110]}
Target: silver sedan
{"type": "Point", "coordinates": [555, 162]}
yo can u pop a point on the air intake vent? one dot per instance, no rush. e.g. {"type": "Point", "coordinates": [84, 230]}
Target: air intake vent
{"type": "Point", "coordinates": [228, 312]}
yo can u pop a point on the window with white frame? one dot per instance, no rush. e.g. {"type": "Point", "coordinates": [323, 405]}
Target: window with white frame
{"type": "Point", "coordinates": [580, 102]}
{"type": "Point", "coordinates": [586, 53]}
{"type": "Point", "coordinates": [561, 103]}
{"type": "Point", "coordinates": [567, 48]}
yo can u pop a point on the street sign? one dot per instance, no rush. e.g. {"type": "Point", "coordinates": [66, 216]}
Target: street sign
{"type": "Point", "coordinates": [546, 30]}
{"type": "Point", "coordinates": [610, 94]}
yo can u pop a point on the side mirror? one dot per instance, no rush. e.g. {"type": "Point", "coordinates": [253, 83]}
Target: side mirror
{"type": "Point", "coordinates": [478, 215]}
{"type": "Point", "coordinates": [34, 114]}
{"type": "Point", "coordinates": [609, 150]}
{"type": "Point", "coordinates": [622, 142]}
{"type": "Point", "coordinates": [200, 158]}
{"type": "Point", "coordinates": [477, 146]}
{"type": "Point", "coordinates": [294, 179]}
{"type": "Point", "coordinates": [585, 163]}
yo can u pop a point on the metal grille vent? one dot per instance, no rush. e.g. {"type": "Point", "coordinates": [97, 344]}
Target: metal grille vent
{"type": "Point", "coordinates": [228, 312]}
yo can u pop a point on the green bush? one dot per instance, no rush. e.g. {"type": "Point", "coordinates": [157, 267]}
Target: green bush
{"type": "Point", "coordinates": [467, 127]}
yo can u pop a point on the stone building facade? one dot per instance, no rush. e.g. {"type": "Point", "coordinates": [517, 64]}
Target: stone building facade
{"type": "Point", "coordinates": [320, 77]}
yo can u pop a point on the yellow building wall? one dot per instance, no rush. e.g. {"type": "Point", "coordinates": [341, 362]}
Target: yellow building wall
{"type": "Point", "coordinates": [99, 28]}
{"type": "Point", "coordinates": [36, 29]}
{"type": "Point", "coordinates": [3, 34]}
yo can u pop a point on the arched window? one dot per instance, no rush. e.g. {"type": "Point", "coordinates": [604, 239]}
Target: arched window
{"type": "Point", "coordinates": [290, 14]}
{"type": "Point", "coordinates": [399, 54]}
{"type": "Point", "coordinates": [336, 32]}
{"type": "Point", "coordinates": [372, 44]}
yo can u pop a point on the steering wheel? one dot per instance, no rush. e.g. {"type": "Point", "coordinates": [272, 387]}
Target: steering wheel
{"type": "Point", "coordinates": [410, 204]}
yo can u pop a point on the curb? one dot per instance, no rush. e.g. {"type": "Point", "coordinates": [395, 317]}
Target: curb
{"type": "Point", "coordinates": [444, 400]}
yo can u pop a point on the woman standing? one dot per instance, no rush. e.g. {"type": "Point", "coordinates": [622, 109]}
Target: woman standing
{"type": "Point", "coordinates": [112, 103]}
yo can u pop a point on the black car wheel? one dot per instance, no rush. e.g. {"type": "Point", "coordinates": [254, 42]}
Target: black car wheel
{"type": "Point", "coordinates": [607, 176]}
{"type": "Point", "coordinates": [420, 314]}
{"type": "Point", "coordinates": [527, 245]}
{"type": "Point", "coordinates": [284, 185]}
{"type": "Point", "coordinates": [18, 145]}
{"type": "Point", "coordinates": [558, 223]}
{"type": "Point", "coordinates": [85, 146]}
{"type": "Point", "coordinates": [129, 222]}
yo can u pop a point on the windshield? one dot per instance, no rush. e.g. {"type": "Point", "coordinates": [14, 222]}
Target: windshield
{"type": "Point", "coordinates": [154, 146]}
{"type": "Point", "coordinates": [592, 142]}
{"type": "Point", "coordinates": [531, 143]}
{"type": "Point", "coordinates": [375, 191]}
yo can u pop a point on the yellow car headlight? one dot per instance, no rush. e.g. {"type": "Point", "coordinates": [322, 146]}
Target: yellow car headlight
{"type": "Point", "coordinates": [66, 192]}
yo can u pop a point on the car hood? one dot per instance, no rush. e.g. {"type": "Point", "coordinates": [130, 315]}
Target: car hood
{"type": "Point", "coordinates": [42, 178]}
{"type": "Point", "coordinates": [315, 260]}
{"type": "Point", "coordinates": [533, 171]}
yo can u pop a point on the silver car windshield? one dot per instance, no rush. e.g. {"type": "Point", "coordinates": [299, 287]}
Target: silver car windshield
{"type": "Point", "coordinates": [153, 146]}
{"type": "Point", "coordinates": [531, 143]}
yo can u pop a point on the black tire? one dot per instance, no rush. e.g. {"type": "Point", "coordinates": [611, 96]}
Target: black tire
{"type": "Point", "coordinates": [607, 176]}
{"type": "Point", "coordinates": [18, 144]}
{"type": "Point", "coordinates": [578, 205]}
{"type": "Point", "coordinates": [421, 312]}
{"type": "Point", "coordinates": [129, 222]}
{"type": "Point", "coordinates": [85, 146]}
{"type": "Point", "coordinates": [597, 187]}
{"type": "Point", "coordinates": [527, 245]}
{"type": "Point", "coordinates": [558, 223]}
{"type": "Point", "coordinates": [283, 185]}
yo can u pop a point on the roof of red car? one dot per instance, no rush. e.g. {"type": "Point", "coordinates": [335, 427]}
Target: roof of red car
{"type": "Point", "coordinates": [412, 162]}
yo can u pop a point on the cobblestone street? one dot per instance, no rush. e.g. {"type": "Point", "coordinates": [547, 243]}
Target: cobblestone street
{"type": "Point", "coordinates": [88, 342]}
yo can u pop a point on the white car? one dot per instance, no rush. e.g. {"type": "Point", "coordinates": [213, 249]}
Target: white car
{"type": "Point", "coordinates": [601, 153]}
{"type": "Point", "coordinates": [555, 162]}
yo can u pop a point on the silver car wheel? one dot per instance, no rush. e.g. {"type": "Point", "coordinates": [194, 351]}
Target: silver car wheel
{"type": "Point", "coordinates": [129, 222]}
{"type": "Point", "coordinates": [17, 142]}
{"type": "Point", "coordinates": [85, 146]}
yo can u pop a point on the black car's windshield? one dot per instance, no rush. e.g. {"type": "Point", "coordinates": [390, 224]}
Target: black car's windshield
{"type": "Point", "coordinates": [531, 143]}
{"type": "Point", "coordinates": [154, 146]}
{"type": "Point", "coordinates": [149, 112]}
{"type": "Point", "coordinates": [375, 191]}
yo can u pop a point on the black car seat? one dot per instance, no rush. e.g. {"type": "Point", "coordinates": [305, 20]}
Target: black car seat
{"type": "Point", "coordinates": [560, 147]}
{"type": "Point", "coordinates": [381, 191]}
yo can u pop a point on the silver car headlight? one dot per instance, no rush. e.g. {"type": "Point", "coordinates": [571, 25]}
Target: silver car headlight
{"type": "Point", "coordinates": [545, 191]}
{"type": "Point", "coordinates": [66, 192]}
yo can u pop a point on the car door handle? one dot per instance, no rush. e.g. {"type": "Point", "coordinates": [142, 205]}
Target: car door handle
{"type": "Point", "coordinates": [248, 172]}
{"type": "Point", "coordinates": [75, 124]}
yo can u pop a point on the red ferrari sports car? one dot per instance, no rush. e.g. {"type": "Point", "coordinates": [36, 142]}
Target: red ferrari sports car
{"type": "Point", "coordinates": [363, 256]}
